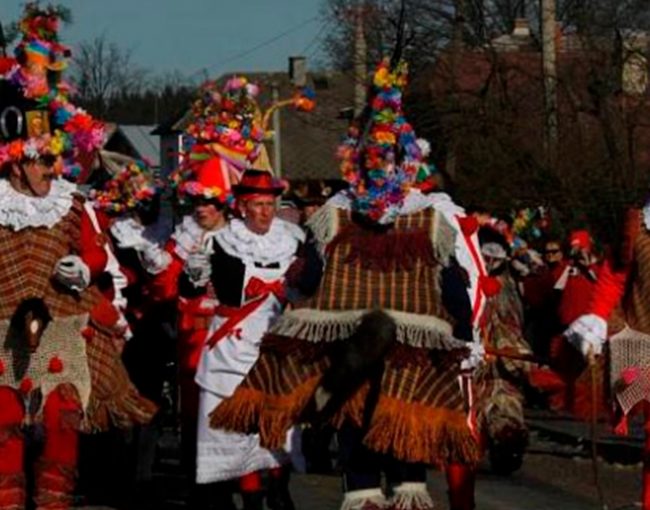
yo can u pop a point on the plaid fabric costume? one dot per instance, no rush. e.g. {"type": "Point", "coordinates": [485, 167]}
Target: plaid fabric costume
{"type": "Point", "coordinates": [501, 401]}
{"type": "Point", "coordinates": [415, 411]}
{"type": "Point", "coordinates": [28, 260]}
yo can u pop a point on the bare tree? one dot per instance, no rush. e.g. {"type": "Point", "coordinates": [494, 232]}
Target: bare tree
{"type": "Point", "coordinates": [102, 71]}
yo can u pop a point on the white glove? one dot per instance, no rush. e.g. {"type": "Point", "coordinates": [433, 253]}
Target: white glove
{"type": "Point", "coordinates": [474, 358]}
{"type": "Point", "coordinates": [72, 272]}
{"type": "Point", "coordinates": [154, 259]}
{"type": "Point", "coordinates": [128, 233]}
{"type": "Point", "coordinates": [587, 334]}
{"type": "Point", "coordinates": [198, 268]}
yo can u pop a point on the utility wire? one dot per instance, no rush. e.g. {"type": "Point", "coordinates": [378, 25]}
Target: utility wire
{"type": "Point", "coordinates": [263, 44]}
{"type": "Point", "coordinates": [317, 37]}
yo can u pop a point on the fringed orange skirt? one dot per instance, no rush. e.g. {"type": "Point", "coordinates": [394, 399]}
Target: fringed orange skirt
{"type": "Point", "coordinates": [417, 414]}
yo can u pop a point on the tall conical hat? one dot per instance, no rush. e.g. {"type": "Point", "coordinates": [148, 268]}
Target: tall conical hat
{"type": "Point", "coordinates": [36, 117]}
{"type": "Point", "coordinates": [381, 158]}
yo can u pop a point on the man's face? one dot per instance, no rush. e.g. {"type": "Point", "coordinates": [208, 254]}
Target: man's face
{"type": "Point", "coordinates": [258, 212]}
{"type": "Point", "coordinates": [553, 253]}
{"type": "Point", "coordinates": [208, 215]}
{"type": "Point", "coordinates": [33, 177]}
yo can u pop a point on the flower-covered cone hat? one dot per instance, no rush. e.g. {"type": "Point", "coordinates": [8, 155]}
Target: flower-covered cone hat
{"type": "Point", "coordinates": [36, 117]}
{"type": "Point", "coordinates": [225, 137]}
{"type": "Point", "coordinates": [381, 158]}
{"type": "Point", "coordinates": [226, 134]}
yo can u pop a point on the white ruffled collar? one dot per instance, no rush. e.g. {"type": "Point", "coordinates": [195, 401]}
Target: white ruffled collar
{"type": "Point", "coordinates": [414, 201]}
{"type": "Point", "coordinates": [189, 236]}
{"type": "Point", "coordinates": [279, 244]}
{"type": "Point", "coordinates": [19, 211]}
{"type": "Point", "coordinates": [130, 233]}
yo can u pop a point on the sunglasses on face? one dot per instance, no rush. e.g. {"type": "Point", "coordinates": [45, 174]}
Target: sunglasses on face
{"type": "Point", "coordinates": [552, 251]}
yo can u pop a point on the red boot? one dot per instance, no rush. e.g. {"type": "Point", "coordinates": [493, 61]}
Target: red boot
{"type": "Point", "coordinates": [55, 474]}
{"type": "Point", "coordinates": [12, 478]}
{"type": "Point", "coordinates": [251, 491]}
{"type": "Point", "coordinates": [460, 485]}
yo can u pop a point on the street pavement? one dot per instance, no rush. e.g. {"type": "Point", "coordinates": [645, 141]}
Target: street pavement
{"type": "Point", "coordinates": [557, 474]}
{"type": "Point", "coordinates": [541, 489]}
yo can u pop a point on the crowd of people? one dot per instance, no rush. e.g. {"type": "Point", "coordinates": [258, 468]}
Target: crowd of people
{"type": "Point", "coordinates": [375, 309]}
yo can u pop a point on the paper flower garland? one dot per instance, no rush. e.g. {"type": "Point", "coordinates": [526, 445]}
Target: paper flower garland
{"type": "Point", "coordinates": [40, 58]}
{"type": "Point", "coordinates": [384, 161]}
{"type": "Point", "coordinates": [134, 187]}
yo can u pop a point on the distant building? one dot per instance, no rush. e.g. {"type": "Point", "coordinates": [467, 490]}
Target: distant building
{"type": "Point", "coordinates": [496, 93]}
{"type": "Point", "coordinates": [136, 142]}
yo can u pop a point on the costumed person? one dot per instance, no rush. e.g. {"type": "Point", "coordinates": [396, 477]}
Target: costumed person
{"type": "Point", "coordinates": [253, 264]}
{"type": "Point", "coordinates": [128, 205]}
{"type": "Point", "coordinates": [224, 136]}
{"type": "Point", "coordinates": [59, 370]}
{"type": "Point", "coordinates": [566, 385]}
{"type": "Point", "coordinates": [375, 351]}
{"type": "Point", "coordinates": [619, 312]}
{"type": "Point", "coordinates": [499, 380]}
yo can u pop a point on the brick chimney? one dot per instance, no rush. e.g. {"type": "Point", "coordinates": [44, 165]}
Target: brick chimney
{"type": "Point", "coordinates": [298, 71]}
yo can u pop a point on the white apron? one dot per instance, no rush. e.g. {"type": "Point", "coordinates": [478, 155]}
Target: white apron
{"type": "Point", "coordinates": [223, 455]}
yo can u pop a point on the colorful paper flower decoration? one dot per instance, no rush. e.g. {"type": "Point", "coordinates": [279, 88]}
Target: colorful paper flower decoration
{"type": "Point", "coordinates": [36, 71]}
{"type": "Point", "coordinates": [133, 187]}
{"type": "Point", "coordinates": [383, 159]}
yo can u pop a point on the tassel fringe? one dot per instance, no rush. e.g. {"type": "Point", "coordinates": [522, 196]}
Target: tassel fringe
{"type": "Point", "coordinates": [411, 496]}
{"type": "Point", "coordinates": [417, 433]}
{"type": "Point", "coordinates": [366, 499]}
{"type": "Point", "coordinates": [320, 326]}
{"type": "Point", "coordinates": [250, 410]}
{"type": "Point", "coordinates": [12, 491]}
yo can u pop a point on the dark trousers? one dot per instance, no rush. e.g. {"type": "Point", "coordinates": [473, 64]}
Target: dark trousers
{"type": "Point", "coordinates": [362, 468]}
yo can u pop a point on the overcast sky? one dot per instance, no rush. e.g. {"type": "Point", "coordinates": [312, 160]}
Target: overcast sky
{"type": "Point", "coordinates": [192, 35]}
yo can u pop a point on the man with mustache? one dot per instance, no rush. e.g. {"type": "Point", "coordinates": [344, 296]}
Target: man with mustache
{"type": "Point", "coordinates": [59, 370]}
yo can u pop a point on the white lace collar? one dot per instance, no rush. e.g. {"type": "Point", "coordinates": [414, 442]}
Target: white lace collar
{"type": "Point", "coordinates": [279, 244]}
{"type": "Point", "coordinates": [130, 233]}
{"type": "Point", "coordinates": [189, 236]}
{"type": "Point", "coordinates": [414, 201]}
{"type": "Point", "coordinates": [19, 211]}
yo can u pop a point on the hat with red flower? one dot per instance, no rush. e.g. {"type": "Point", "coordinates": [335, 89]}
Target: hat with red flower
{"type": "Point", "coordinates": [36, 117]}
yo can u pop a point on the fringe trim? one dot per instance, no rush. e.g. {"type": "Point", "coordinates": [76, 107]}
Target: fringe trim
{"type": "Point", "coordinates": [123, 410]}
{"type": "Point", "coordinates": [411, 496]}
{"type": "Point", "coordinates": [398, 250]}
{"type": "Point", "coordinates": [328, 326]}
{"type": "Point", "coordinates": [324, 224]}
{"type": "Point", "coordinates": [353, 409]}
{"type": "Point", "coordinates": [418, 433]}
{"type": "Point", "coordinates": [12, 491]}
{"type": "Point", "coordinates": [250, 410]}
{"type": "Point", "coordinates": [365, 499]}
{"type": "Point", "coordinates": [55, 485]}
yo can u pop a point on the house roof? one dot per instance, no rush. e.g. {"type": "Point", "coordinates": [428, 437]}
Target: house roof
{"type": "Point", "coordinates": [309, 140]}
{"type": "Point", "coordinates": [145, 144]}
